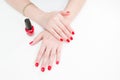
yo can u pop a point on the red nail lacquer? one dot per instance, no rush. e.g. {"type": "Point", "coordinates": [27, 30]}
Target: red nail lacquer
{"type": "Point", "coordinates": [68, 40]}
{"type": "Point", "coordinates": [31, 42]}
{"type": "Point", "coordinates": [36, 64]}
{"type": "Point", "coordinates": [61, 39]}
{"type": "Point", "coordinates": [73, 33]}
{"type": "Point", "coordinates": [49, 68]}
{"type": "Point", "coordinates": [71, 38]}
{"type": "Point", "coordinates": [42, 69]}
{"type": "Point", "coordinates": [57, 62]}
{"type": "Point", "coordinates": [29, 28]}
{"type": "Point", "coordinates": [67, 11]}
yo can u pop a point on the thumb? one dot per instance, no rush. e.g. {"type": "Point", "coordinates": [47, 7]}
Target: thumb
{"type": "Point", "coordinates": [37, 39]}
{"type": "Point", "coordinates": [65, 13]}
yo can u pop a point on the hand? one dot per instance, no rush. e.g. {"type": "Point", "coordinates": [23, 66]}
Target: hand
{"type": "Point", "coordinates": [55, 23]}
{"type": "Point", "coordinates": [50, 49]}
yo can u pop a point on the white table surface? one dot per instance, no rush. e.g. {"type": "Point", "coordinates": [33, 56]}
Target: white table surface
{"type": "Point", "coordinates": [94, 54]}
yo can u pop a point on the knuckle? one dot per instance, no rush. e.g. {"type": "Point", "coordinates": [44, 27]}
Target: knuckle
{"type": "Point", "coordinates": [65, 30]}
{"type": "Point", "coordinates": [58, 52]}
{"type": "Point", "coordinates": [49, 22]}
{"type": "Point", "coordinates": [59, 31]}
{"type": "Point", "coordinates": [66, 24]}
{"type": "Point", "coordinates": [54, 17]}
{"type": "Point", "coordinates": [46, 56]}
{"type": "Point", "coordinates": [52, 55]}
{"type": "Point", "coordinates": [51, 58]}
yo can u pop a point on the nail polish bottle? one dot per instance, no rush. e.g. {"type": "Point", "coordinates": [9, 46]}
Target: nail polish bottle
{"type": "Point", "coordinates": [29, 28]}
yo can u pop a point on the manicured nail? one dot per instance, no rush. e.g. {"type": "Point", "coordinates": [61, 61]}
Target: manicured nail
{"type": "Point", "coordinates": [71, 38]}
{"type": "Point", "coordinates": [31, 42]}
{"type": "Point", "coordinates": [49, 68]}
{"type": "Point", "coordinates": [68, 40]}
{"type": "Point", "coordinates": [61, 39]}
{"type": "Point", "coordinates": [36, 64]}
{"type": "Point", "coordinates": [73, 32]}
{"type": "Point", "coordinates": [42, 69]}
{"type": "Point", "coordinates": [67, 11]}
{"type": "Point", "coordinates": [57, 62]}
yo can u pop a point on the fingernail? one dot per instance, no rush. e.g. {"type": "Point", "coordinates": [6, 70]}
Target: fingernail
{"type": "Point", "coordinates": [42, 69]}
{"type": "Point", "coordinates": [57, 62]}
{"type": "Point", "coordinates": [67, 11]}
{"type": "Point", "coordinates": [31, 42]}
{"type": "Point", "coordinates": [49, 68]}
{"type": "Point", "coordinates": [68, 40]}
{"type": "Point", "coordinates": [36, 64]}
{"type": "Point", "coordinates": [73, 32]}
{"type": "Point", "coordinates": [71, 38]}
{"type": "Point", "coordinates": [61, 39]}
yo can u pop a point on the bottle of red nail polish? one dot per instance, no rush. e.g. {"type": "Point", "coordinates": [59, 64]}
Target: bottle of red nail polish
{"type": "Point", "coordinates": [29, 28]}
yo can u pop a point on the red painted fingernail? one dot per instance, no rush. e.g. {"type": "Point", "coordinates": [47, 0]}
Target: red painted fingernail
{"type": "Point", "coordinates": [57, 62]}
{"type": "Point", "coordinates": [71, 38]}
{"type": "Point", "coordinates": [36, 64]}
{"type": "Point", "coordinates": [73, 32]}
{"type": "Point", "coordinates": [68, 40]}
{"type": "Point", "coordinates": [68, 12]}
{"type": "Point", "coordinates": [31, 42]}
{"type": "Point", "coordinates": [42, 69]}
{"type": "Point", "coordinates": [61, 39]}
{"type": "Point", "coordinates": [49, 68]}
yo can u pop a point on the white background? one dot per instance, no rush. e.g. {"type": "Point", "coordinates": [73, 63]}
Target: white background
{"type": "Point", "coordinates": [94, 54]}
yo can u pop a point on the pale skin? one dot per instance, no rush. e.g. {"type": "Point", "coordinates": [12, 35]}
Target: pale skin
{"type": "Point", "coordinates": [56, 25]}
{"type": "Point", "coordinates": [49, 52]}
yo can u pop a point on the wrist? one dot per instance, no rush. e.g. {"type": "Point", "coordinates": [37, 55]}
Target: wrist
{"type": "Point", "coordinates": [33, 12]}
{"type": "Point", "coordinates": [42, 19]}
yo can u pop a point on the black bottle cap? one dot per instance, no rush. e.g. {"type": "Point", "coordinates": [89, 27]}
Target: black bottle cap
{"type": "Point", "coordinates": [28, 24]}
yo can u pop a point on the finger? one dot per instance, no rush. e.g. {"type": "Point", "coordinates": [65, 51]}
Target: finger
{"type": "Point", "coordinates": [39, 55]}
{"type": "Point", "coordinates": [53, 32]}
{"type": "Point", "coordinates": [36, 39]}
{"type": "Point", "coordinates": [58, 54]}
{"type": "Point", "coordinates": [65, 13]}
{"type": "Point", "coordinates": [66, 24]}
{"type": "Point", "coordinates": [51, 58]}
{"type": "Point", "coordinates": [66, 32]}
{"type": "Point", "coordinates": [60, 32]}
{"type": "Point", "coordinates": [45, 59]}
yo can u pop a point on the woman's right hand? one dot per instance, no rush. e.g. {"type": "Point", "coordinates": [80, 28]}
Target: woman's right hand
{"type": "Point", "coordinates": [49, 52]}
{"type": "Point", "coordinates": [55, 23]}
